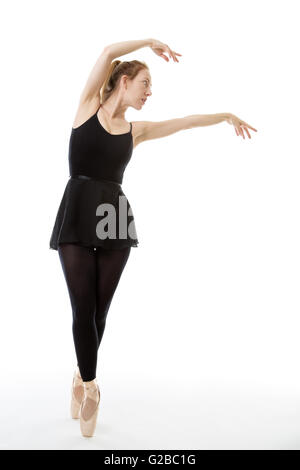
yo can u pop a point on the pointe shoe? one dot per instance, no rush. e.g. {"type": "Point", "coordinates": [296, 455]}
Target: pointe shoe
{"type": "Point", "coordinates": [77, 393]}
{"type": "Point", "coordinates": [89, 408]}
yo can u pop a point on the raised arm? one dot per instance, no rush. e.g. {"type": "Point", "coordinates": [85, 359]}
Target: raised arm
{"type": "Point", "coordinates": [159, 48]}
{"type": "Point", "coordinates": [100, 70]}
{"type": "Point", "coordinates": [110, 52]}
{"type": "Point", "coordinates": [96, 77]}
{"type": "Point", "coordinates": [125, 47]}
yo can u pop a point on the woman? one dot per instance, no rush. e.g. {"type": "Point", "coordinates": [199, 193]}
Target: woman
{"type": "Point", "coordinates": [101, 145]}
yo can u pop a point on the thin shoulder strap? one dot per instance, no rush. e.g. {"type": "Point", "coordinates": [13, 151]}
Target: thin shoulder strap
{"type": "Point", "coordinates": [130, 127]}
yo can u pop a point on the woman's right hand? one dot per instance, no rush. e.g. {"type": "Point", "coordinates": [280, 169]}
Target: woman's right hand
{"type": "Point", "coordinates": [159, 48]}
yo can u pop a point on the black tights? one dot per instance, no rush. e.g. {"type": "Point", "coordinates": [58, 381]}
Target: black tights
{"type": "Point", "coordinates": [92, 275]}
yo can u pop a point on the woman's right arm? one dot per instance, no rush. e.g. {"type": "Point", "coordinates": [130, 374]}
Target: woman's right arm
{"type": "Point", "coordinates": [96, 78]}
{"type": "Point", "coordinates": [100, 70]}
{"type": "Point", "coordinates": [121, 48]}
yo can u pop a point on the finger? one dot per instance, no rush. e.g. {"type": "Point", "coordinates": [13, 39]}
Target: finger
{"type": "Point", "coordinates": [248, 125]}
{"type": "Point", "coordinates": [174, 57]}
{"type": "Point", "coordinates": [236, 131]}
{"type": "Point", "coordinates": [165, 57]}
{"type": "Point", "coordinates": [171, 54]}
{"type": "Point", "coordinates": [168, 52]}
{"type": "Point", "coordinates": [248, 132]}
{"type": "Point", "coordinates": [242, 133]}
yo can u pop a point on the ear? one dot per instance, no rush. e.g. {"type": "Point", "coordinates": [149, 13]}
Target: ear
{"type": "Point", "coordinates": [124, 79]}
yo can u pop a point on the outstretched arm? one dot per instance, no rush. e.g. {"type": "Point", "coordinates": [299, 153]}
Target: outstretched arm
{"type": "Point", "coordinates": [209, 119]}
{"type": "Point", "coordinates": [147, 130]}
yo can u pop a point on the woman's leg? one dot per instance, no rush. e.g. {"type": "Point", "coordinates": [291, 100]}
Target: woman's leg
{"type": "Point", "coordinates": [110, 265]}
{"type": "Point", "coordinates": [79, 266]}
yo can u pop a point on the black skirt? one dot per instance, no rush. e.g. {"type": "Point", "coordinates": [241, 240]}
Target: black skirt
{"type": "Point", "coordinates": [94, 213]}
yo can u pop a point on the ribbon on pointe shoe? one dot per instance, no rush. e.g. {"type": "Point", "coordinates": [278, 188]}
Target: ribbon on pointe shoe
{"type": "Point", "coordinates": [91, 399]}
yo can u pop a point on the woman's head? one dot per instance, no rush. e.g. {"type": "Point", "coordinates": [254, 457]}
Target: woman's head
{"type": "Point", "coordinates": [131, 81]}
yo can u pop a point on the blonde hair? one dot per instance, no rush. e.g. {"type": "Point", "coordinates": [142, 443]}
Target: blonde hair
{"type": "Point", "coordinates": [116, 70]}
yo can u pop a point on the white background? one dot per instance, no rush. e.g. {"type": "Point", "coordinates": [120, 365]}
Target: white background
{"type": "Point", "coordinates": [201, 347]}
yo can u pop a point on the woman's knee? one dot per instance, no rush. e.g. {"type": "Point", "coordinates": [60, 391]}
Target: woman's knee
{"type": "Point", "coordinates": [84, 313]}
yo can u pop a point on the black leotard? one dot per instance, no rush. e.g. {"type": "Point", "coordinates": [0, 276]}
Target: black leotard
{"type": "Point", "coordinates": [97, 161]}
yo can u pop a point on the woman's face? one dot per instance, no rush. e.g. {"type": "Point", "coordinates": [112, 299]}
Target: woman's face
{"type": "Point", "coordinates": [140, 89]}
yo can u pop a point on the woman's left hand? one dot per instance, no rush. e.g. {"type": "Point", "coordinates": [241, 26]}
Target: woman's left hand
{"type": "Point", "coordinates": [239, 125]}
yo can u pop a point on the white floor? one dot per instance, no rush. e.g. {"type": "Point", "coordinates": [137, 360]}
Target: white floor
{"type": "Point", "coordinates": [141, 413]}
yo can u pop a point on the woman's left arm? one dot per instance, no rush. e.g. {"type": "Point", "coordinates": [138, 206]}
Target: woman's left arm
{"type": "Point", "coordinates": [197, 120]}
{"type": "Point", "coordinates": [147, 130]}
